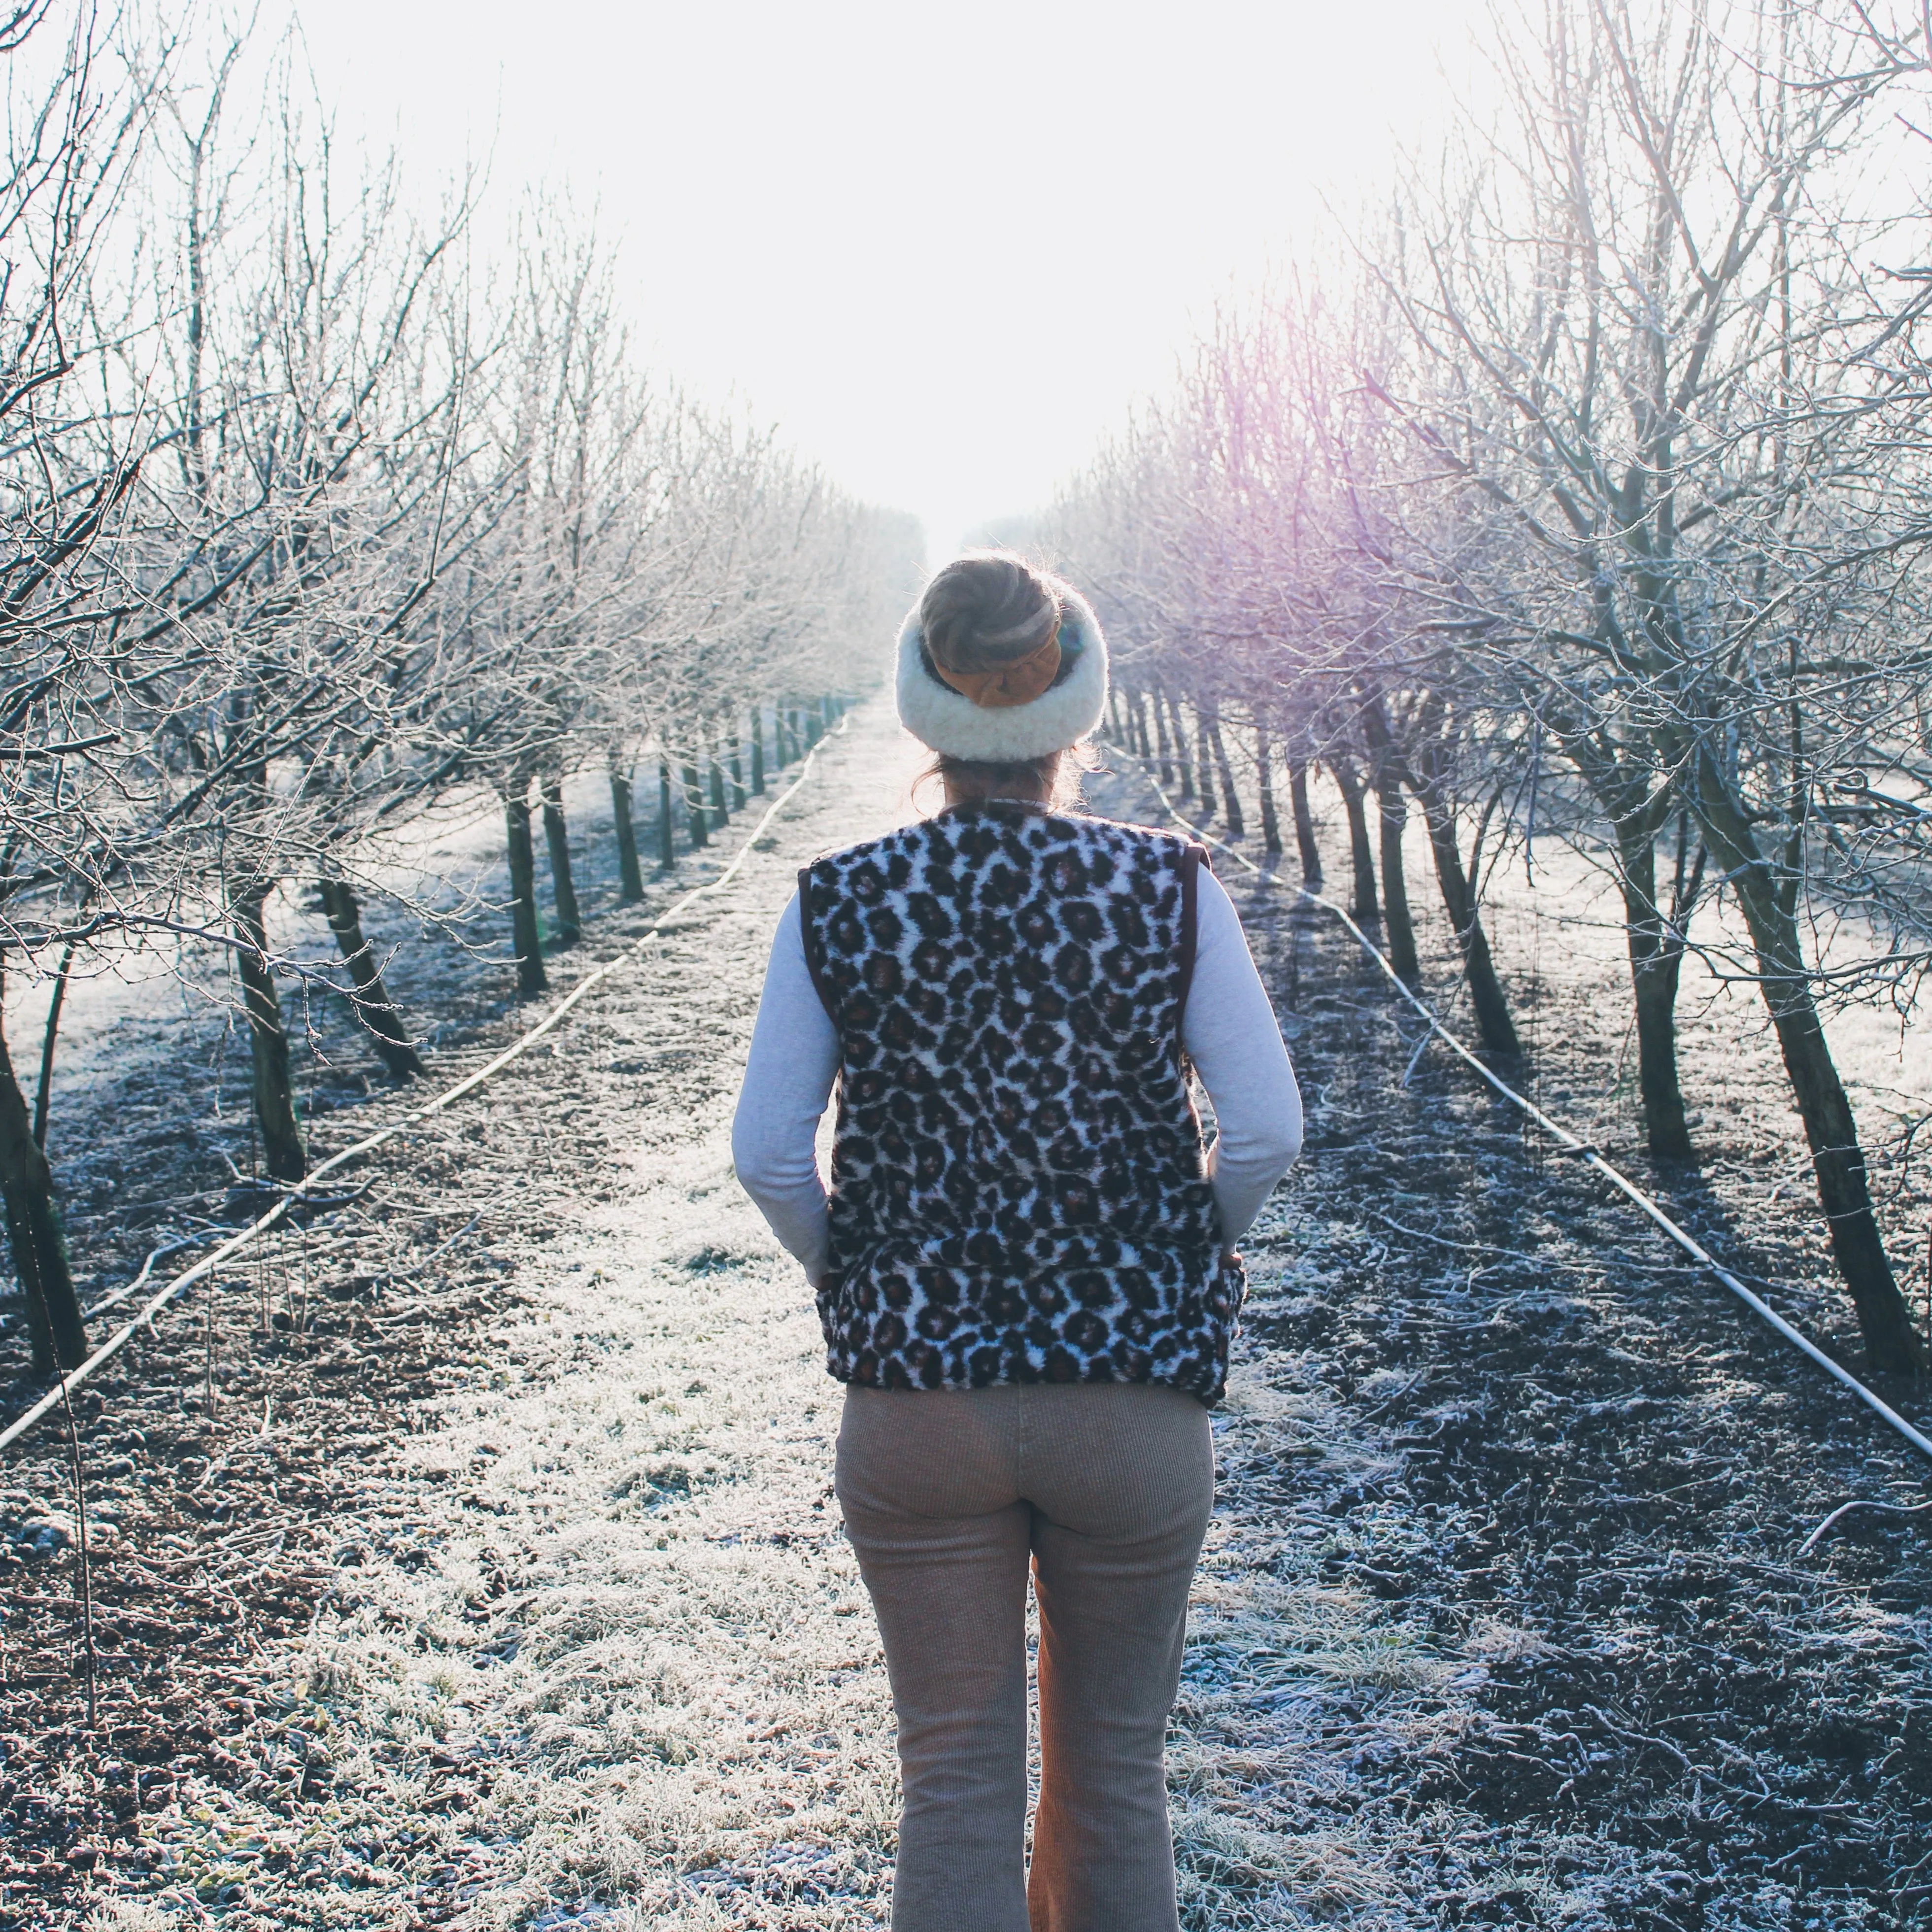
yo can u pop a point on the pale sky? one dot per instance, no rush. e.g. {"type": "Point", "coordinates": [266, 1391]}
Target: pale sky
{"type": "Point", "coordinates": [943, 248]}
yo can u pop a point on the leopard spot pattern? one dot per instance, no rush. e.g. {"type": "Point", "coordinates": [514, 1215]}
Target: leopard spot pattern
{"type": "Point", "coordinates": [1017, 1186]}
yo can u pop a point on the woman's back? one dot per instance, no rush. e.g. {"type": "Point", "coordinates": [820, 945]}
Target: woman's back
{"type": "Point", "coordinates": [1017, 1192]}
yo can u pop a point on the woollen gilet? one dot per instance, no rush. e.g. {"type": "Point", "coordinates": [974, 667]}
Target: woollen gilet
{"type": "Point", "coordinates": [1017, 1192]}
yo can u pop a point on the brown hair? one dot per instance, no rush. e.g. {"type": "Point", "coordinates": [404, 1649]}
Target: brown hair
{"type": "Point", "coordinates": [1053, 780]}
{"type": "Point", "coordinates": [985, 610]}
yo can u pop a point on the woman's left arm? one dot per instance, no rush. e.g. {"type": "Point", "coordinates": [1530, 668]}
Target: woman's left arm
{"type": "Point", "coordinates": [1231, 1035]}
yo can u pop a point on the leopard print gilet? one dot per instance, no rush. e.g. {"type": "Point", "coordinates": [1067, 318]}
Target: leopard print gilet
{"type": "Point", "coordinates": [1017, 1191]}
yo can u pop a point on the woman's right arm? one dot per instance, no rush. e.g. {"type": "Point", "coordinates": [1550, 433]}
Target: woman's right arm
{"type": "Point", "coordinates": [794, 1060]}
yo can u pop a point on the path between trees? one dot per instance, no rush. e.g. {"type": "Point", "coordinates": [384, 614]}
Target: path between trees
{"type": "Point", "coordinates": [501, 1585]}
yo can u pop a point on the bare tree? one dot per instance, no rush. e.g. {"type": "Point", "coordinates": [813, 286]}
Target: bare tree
{"type": "Point", "coordinates": [1672, 425]}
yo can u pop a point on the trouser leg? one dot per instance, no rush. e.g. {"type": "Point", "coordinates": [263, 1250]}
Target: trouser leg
{"type": "Point", "coordinates": [1118, 1526]}
{"type": "Point", "coordinates": [942, 1544]}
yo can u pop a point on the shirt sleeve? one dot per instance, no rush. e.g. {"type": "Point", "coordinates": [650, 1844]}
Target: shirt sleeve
{"type": "Point", "coordinates": [794, 1060]}
{"type": "Point", "coordinates": [1230, 1033]}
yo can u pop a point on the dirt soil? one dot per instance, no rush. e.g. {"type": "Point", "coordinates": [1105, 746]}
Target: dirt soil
{"type": "Point", "coordinates": [468, 1556]}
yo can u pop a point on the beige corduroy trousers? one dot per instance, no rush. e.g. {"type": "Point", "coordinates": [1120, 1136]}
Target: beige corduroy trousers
{"type": "Point", "coordinates": [1103, 1490]}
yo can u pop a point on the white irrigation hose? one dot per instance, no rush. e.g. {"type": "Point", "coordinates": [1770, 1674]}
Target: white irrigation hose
{"type": "Point", "coordinates": [1824, 1528]}
{"type": "Point", "coordinates": [1688, 1242]}
{"type": "Point", "coordinates": [121, 1337]}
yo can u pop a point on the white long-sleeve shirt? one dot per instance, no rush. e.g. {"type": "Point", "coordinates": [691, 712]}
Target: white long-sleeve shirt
{"type": "Point", "coordinates": [1228, 1027]}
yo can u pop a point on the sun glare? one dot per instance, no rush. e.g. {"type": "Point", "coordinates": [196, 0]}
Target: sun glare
{"type": "Point", "coordinates": [941, 247]}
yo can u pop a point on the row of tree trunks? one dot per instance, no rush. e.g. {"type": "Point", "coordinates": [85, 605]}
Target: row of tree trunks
{"type": "Point", "coordinates": [1208, 757]}
{"type": "Point", "coordinates": [1657, 944]}
{"type": "Point", "coordinates": [707, 777]}
{"type": "Point", "coordinates": [38, 1246]}
{"type": "Point", "coordinates": [283, 1157]}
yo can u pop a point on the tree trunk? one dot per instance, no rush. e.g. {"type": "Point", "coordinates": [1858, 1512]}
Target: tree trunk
{"type": "Point", "coordinates": [1636, 808]}
{"type": "Point", "coordinates": [1830, 1129]}
{"type": "Point", "coordinates": [1304, 830]}
{"type": "Point", "coordinates": [370, 1000]}
{"type": "Point", "coordinates": [50, 1033]}
{"type": "Point", "coordinates": [1361, 855]}
{"type": "Point", "coordinates": [1137, 724]}
{"type": "Point", "coordinates": [1656, 966]}
{"type": "Point", "coordinates": [815, 727]}
{"type": "Point", "coordinates": [1264, 785]}
{"type": "Point", "coordinates": [1493, 1023]}
{"type": "Point", "coordinates": [1204, 760]}
{"type": "Point", "coordinates": [630, 874]}
{"type": "Point", "coordinates": [531, 978]}
{"type": "Point", "coordinates": [694, 807]}
{"type": "Point", "coordinates": [268, 1043]}
{"type": "Point", "coordinates": [1160, 738]}
{"type": "Point", "coordinates": [1392, 814]}
{"type": "Point", "coordinates": [757, 750]}
{"type": "Point", "coordinates": [55, 1331]}
{"type": "Point", "coordinates": [737, 770]}
{"type": "Point", "coordinates": [1230, 798]}
{"type": "Point", "coordinates": [563, 884]}
{"type": "Point", "coordinates": [720, 816]}
{"type": "Point", "coordinates": [1839, 1161]}
{"type": "Point", "coordinates": [667, 852]}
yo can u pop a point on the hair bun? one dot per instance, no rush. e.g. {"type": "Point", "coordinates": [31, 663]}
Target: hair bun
{"type": "Point", "coordinates": [986, 612]}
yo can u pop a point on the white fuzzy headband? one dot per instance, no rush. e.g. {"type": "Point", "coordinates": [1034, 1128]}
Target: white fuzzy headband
{"type": "Point", "coordinates": [949, 722]}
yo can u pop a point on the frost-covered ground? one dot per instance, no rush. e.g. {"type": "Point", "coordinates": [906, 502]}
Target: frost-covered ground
{"type": "Point", "coordinates": [476, 1564]}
